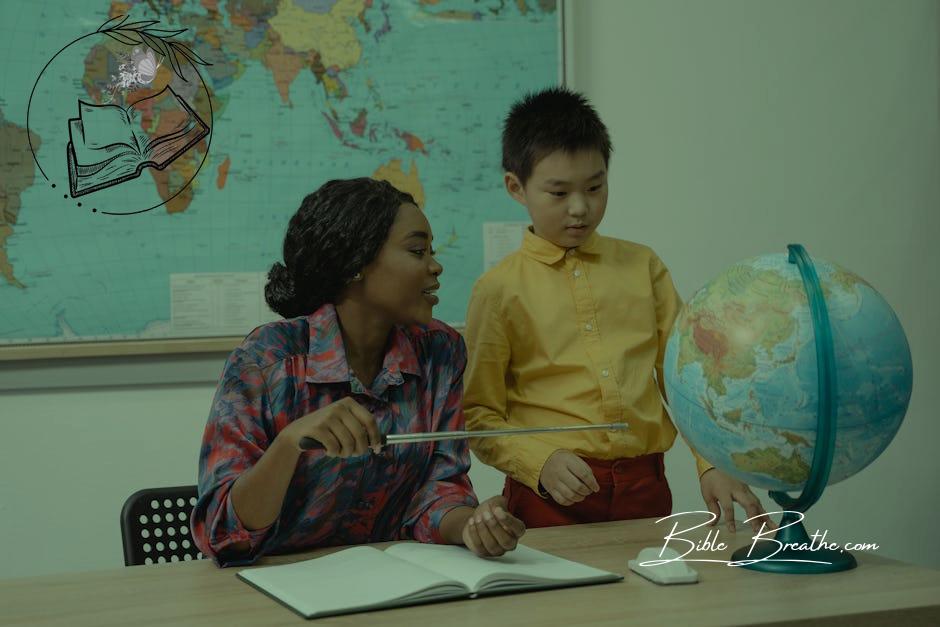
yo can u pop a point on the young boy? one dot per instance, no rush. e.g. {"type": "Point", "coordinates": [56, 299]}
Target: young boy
{"type": "Point", "coordinates": [568, 331]}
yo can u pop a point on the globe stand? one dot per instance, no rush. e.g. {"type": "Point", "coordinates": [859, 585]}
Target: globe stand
{"type": "Point", "coordinates": [800, 555]}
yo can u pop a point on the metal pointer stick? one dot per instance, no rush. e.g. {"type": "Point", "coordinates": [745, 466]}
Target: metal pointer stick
{"type": "Point", "coordinates": [308, 443]}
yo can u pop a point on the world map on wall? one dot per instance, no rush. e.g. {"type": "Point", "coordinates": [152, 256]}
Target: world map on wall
{"type": "Point", "coordinates": [296, 92]}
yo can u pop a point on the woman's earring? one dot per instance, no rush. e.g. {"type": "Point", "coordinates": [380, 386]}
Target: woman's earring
{"type": "Point", "coordinates": [357, 276]}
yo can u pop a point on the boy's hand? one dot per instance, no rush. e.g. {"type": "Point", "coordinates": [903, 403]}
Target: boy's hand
{"type": "Point", "coordinates": [491, 530]}
{"type": "Point", "coordinates": [567, 478]}
{"type": "Point", "coordinates": [720, 491]}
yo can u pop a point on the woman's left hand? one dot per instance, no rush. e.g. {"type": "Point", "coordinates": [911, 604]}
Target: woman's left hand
{"type": "Point", "coordinates": [491, 530]}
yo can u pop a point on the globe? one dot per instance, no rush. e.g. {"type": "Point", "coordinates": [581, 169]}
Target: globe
{"type": "Point", "coordinates": [777, 352]}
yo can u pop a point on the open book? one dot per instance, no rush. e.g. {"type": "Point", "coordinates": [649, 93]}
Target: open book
{"type": "Point", "coordinates": [365, 578]}
{"type": "Point", "coordinates": [108, 145]}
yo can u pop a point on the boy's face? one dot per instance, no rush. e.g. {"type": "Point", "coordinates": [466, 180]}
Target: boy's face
{"type": "Point", "coordinates": [566, 195]}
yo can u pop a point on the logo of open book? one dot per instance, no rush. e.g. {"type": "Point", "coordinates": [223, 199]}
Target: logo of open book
{"type": "Point", "coordinates": [108, 144]}
{"type": "Point", "coordinates": [135, 130]}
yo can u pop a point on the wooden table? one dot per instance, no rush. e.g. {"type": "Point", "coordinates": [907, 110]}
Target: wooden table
{"type": "Point", "coordinates": [879, 592]}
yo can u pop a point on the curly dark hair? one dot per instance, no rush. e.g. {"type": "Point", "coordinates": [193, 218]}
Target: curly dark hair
{"type": "Point", "coordinates": [543, 122]}
{"type": "Point", "coordinates": [337, 231]}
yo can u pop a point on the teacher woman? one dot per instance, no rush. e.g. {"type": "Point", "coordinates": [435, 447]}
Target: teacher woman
{"type": "Point", "coordinates": [356, 355]}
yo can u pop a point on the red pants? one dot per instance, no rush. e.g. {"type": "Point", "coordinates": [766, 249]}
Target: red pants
{"type": "Point", "coordinates": [634, 487]}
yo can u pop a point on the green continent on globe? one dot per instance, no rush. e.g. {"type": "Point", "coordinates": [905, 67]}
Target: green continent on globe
{"type": "Point", "coordinates": [793, 439]}
{"type": "Point", "coordinates": [18, 174]}
{"type": "Point", "coordinates": [769, 461]}
{"type": "Point", "coordinates": [730, 303]}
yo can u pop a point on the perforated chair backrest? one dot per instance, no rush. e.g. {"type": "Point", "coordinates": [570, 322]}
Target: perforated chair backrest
{"type": "Point", "coordinates": [155, 526]}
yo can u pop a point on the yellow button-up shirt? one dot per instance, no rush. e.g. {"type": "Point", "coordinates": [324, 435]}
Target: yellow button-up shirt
{"type": "Point", "coordinates": [569, 337]}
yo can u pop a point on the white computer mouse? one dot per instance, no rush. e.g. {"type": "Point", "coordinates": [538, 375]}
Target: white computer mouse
{"type": "Point", "coordinates": [668, 573]}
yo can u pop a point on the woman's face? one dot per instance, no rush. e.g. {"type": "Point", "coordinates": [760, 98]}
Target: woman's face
{"type": "Point", "coordinates": [401, 283]}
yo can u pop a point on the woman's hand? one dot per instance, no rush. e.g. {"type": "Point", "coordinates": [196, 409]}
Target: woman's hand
{"type": "Point", "coordinates": [345, 428]}
{"type": "Point", "coordinates": [491, 530]}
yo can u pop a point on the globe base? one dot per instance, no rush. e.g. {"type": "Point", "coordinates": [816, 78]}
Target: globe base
{"type": "Point", "coordinates": [794, 561]}
{"type": "Point", "coordinates": [792, 552]}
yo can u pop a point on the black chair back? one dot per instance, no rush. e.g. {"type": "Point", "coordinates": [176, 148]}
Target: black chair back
{"type": "Point", "coordinates": [155, 526]}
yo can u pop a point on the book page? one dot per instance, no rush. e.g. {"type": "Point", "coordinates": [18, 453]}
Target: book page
{"type": "Point", "coordinates": [180, 130]}
{"type": "Point", "coordinates": [519, 568]}
{"type": "Point", "coordinates": [163, 150]}
{"type": "Point", "coordinates": [95, 158]}
{"type": "Point", "coordinates": [349, 580]}
{"type": "Point", "coordinates": [170, 119]}
{"type": "Point", "coordinates": [104, 125]}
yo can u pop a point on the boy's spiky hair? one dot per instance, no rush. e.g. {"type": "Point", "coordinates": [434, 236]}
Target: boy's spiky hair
{"type": "Point", "coordinates": [543, 122]}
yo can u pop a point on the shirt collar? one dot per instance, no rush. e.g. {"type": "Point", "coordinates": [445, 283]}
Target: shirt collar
{"type": "Point", "coordinates": [326, 357]}
{"type": "Point", "coordinates": [549, 253]}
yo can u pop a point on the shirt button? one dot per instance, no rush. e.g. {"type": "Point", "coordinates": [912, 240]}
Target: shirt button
{"type": "Point", "coordinates": [605, 372]}
{"type": "Point", "coordinates": [589, 327]}
{"type": "Point", "coordinates": [577, 273]}
{"type": "Point", "coordinates": [570, 253]}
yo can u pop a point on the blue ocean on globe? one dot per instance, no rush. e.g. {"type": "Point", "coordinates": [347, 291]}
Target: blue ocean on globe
{"type": "Point", "coordinates": [741, 376]}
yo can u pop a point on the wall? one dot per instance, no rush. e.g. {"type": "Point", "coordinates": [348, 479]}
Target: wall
{"type": "Point", "coordinates": [741, 126]}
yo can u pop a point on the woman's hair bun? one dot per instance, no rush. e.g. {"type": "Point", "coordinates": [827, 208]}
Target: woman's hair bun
{"type": "Point", "coordinates": [280, 292]}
